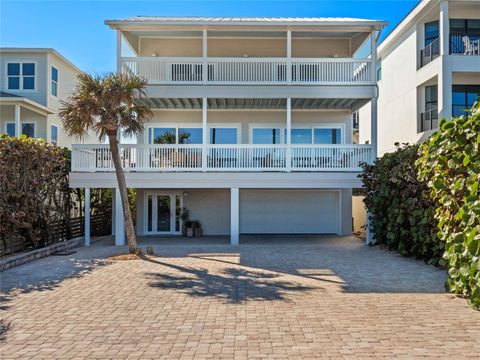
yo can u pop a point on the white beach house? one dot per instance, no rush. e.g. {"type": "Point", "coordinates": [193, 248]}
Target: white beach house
{"type": "Point", "coordinates": [252, 127]}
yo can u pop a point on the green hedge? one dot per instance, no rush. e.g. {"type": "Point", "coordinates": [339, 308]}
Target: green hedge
{"type": "Point", "coordinates": [402, 210]}
{"type": "Point", "coordinates": [450, 164]}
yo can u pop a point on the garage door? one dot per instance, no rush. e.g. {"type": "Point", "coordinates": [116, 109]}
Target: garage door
{"type": "Point", "coordinates": [289, 212]}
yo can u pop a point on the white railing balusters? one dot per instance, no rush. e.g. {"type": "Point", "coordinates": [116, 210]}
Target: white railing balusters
{"type": "Point", "coordinates": [305, 71]}
{"type": "Point", "coordinates": [238, 157]}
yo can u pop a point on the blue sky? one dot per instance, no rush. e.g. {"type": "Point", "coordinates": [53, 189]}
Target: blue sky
{"type": "Point", "coordinates": [77, 31]}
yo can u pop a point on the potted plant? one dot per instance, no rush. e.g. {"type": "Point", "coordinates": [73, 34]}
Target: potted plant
{"type": "Point", "coordinates": [188, 228]}
{"type": "Point", "coordinates": [184, 218]}
{"type": "Point", "coordinates": [197, 228]}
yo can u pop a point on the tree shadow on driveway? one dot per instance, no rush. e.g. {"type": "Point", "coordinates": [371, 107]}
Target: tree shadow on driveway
{"type": "Point", "coordinates": [231, 284]}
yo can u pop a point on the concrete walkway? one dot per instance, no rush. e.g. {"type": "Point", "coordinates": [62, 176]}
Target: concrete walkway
{"type": "Point", "coordinates": [272, 297]}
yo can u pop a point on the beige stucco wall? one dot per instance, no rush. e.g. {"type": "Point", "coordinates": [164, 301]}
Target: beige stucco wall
{"type": "Point", "coordinates": [238, 47]}
{"type": "Point", "coordinates": [244, 120]}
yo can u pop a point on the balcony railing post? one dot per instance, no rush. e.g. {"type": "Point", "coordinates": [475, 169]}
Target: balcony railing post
{"type": "Point", "coordinates": [288, 157]}
{"type": "Point", "coordinates": [204, 135]}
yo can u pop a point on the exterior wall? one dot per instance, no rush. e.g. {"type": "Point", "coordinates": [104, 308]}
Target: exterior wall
{"type": "Point", "coordinates": [238, 47]}
{"type": "Point", "coordinates": [359, 214]}
{"type": "Point", "coordinates": [244, 120]}
{"type": "Point", "coordinates": [212, 208]}
{"type": "Point", "coordinates": [209, 206]}
{"type": "Point", "coordinates": [402, 88]}
{"type": "Point", "coordinates": [40, 59]}
{"type": "Point", "coordinates": [7, 115]}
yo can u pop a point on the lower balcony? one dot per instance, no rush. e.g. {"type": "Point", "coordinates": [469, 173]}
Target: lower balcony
{"type": "Point", "coordinates": [222, 158]}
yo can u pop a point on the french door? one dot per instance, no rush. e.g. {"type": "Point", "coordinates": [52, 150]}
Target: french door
{"type": "Point", "coordinates": [163, 213]}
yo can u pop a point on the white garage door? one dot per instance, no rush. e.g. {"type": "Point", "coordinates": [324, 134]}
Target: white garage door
{"type": "Point", "coordinates": [289, 212]}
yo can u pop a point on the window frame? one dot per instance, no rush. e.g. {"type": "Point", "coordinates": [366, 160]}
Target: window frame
{"type": "Point", "coordinates": [21, 76]}
{"type": "Point", "coordinates": [51, 132]}
{"type": "Point", "coordinates": [312, 127]}
{"type": "Point", "coordinates": [53, 81]}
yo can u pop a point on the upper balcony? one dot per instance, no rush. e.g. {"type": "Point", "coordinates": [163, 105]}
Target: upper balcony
{"type": "Point", "coordinates": [253, 51]}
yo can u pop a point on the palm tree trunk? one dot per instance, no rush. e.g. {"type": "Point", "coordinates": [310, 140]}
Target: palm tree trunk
{"type": "Point", "coordinates": [122, 187]}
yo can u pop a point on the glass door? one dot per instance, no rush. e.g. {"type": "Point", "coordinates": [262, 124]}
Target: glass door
{"type": "Point", "coordinates": [163, 213]}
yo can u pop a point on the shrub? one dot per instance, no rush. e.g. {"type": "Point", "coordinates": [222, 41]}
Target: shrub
{"type": "Point", "coordinates": [402, 210]}
{"type": "Point", "coordinates": [450, 163]}
{"type": "Point", "coordinates": [33, 188]}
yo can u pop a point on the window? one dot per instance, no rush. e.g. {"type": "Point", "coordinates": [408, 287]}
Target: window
{"type": "Point", "coordinates": [162, 136]}
{"type": "Point", "coordinates": [379, 69]}
{"type": "Point", "coordinates": [11, 129]}
{"type": "Point", "coordinates": [223, 135]}
{"type": "Point", "coordinates": [300, 136]}
{"type": "Point", "coordinates": [465, 27]}
{"type": "Point", "coordinates": [266, 136]}
{"type": "Point", "coordinates": [356, 120]}
{"type": "Point", "coordinates": [54, 82]}
{"type": "Point", "coordinates": [173, 135]}
{"type": "Point", "coordinates": [432, 32]}
{"type": "Point", "coordinates": [327, 136]}
{"type": "Point", "coordinates": [431, 97]}
{"type": "Point", "coordinates": [28, 129]}
{"type": "Point", "coordinates": [54, 134]}
{"type": "Point", "coordinates": [463, 98]}
{"type": "Point", "coordinates": [21, 76]}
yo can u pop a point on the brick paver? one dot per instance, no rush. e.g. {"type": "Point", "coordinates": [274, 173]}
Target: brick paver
{"type": "Point", "coordinates": [281, 298]}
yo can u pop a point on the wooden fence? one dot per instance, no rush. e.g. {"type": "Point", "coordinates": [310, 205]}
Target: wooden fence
{"type": "Point", "coordinates": [100, 224]}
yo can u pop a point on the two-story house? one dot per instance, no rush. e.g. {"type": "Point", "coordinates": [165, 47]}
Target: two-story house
{"type": "Point", "coordinates": [428, 69]}
{"type": "Point", "coordinates": [33, 82]}
{"type": "Point", "coordinates": [252, 127]}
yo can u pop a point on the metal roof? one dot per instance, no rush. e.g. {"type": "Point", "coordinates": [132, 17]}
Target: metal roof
{"type": "Point", "coordinates": [204, 20]}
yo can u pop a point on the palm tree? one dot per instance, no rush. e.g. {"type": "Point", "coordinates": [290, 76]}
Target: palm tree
{"type": "Point", "coordinates": [106, 105]}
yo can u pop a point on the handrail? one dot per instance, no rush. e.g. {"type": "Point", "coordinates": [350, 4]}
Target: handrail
{"type": "Point", "coordinates": [233, 157]}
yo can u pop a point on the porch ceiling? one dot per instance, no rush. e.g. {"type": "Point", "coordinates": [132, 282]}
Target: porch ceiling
{"type": "Point", "coordinates": [240, 103]}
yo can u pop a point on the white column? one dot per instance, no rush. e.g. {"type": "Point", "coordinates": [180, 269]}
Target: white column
{"type": "Point", "coordinates": [374, 127]}
{"type": "Point", "coordinates": [289, 57]}
{"type": "Point", "coordinates": [445, 73]}
{"type": "Point", "coordinates": [289, 135]}
{"type": "Point", "coordinates": [234, 216]}
{"type": "Point", "coordinates": [87, 217]}
{"type": "Point", "coordinates": [113, 211]}
{"type": "Point", "coordinates": [204, 134]}
{"type": "Point", "coordinates": [444, 27]}
{"type": "Point", "coordinates": [373, 56]}
{"type": "Point", "coordinates": [119, 52]}
{"type": "Point", "coordinates": [18, 123]}
{"type": "Point", "coordinates": [119, 220]}
{"type": "Point", "coordinates": [204, 56]}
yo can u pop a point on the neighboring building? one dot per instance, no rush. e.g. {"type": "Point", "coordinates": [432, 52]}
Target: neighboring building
{"type": "Point", "coordinates": [429, 68]}
{"type": "Point", "coordinates": [252, 127]}
{"type": "Point", "coordinates": [34, 81]}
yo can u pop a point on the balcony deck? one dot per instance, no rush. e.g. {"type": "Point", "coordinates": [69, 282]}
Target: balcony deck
{"type": "Point", "coordinates": [222, 158]}
{"type": "Point", "coordinates": [250, 71]}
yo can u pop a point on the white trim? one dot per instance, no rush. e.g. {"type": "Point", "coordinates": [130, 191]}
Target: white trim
{"type": "Point", "coordinates": [21, 89]}
{"type": "Point", "coordinates": [155, 194]}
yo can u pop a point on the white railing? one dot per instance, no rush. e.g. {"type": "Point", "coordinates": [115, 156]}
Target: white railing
{"type": "Point", "coordinates": [248, 71]}
{"type": "Point", "coordinates": [241, 157]}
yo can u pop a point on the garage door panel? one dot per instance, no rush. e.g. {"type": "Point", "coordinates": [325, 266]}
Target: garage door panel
{"type": "Point", "coordinates": [289, 212]}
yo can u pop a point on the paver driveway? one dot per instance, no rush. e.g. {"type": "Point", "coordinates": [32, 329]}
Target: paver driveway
{"type": "Point", "coordinates": [292, 297]}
